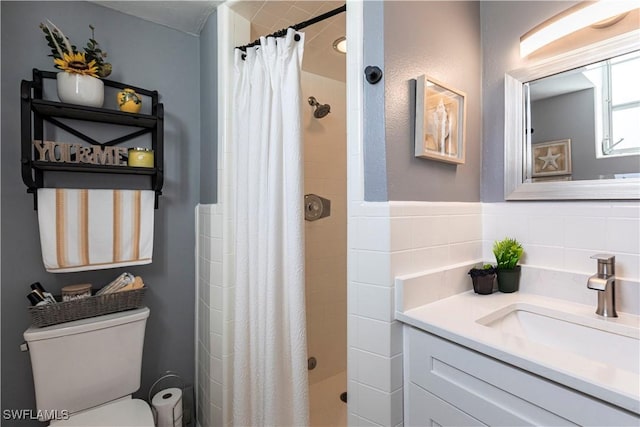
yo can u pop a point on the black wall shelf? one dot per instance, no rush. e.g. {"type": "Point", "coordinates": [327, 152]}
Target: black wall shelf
{"type": "Point", "coordinates": [78, 112]}
{"type": "Point", "coordinates": [35, 111]}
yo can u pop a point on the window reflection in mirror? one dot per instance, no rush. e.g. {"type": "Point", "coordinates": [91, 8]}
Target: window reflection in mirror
{"type": "Point", "coordinates": [597, 109]}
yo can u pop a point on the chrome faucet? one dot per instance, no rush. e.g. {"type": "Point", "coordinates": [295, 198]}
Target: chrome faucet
{"type": "Point", "coordinates": [605, 283]}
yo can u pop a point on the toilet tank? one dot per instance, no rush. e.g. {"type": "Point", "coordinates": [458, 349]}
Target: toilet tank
{"type": "Point", "coordinates": [85, 363]}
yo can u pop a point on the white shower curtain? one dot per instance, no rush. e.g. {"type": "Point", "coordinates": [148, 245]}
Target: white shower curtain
{"type": "Point", "coordinates": [270, 349]}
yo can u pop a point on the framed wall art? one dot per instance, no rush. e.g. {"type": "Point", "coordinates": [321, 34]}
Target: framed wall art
{"type": "Point", "coordinates": [440, 121]}
{"type": "Point", "coordinates": [551, 158]}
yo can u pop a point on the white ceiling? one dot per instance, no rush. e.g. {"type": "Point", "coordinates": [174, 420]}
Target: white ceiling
{"type": "Point", "coordinates": [266, 17]}
{"type": "Point", "coordinates": [186, 16]}
{"type": "Point", "coordinates": [269, 16]}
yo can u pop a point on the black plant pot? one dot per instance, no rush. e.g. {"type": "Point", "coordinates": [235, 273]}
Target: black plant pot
{"type": "Point", "coordinates": [482, 280]}
{"type": "Point", "coordinates": [509, 280]}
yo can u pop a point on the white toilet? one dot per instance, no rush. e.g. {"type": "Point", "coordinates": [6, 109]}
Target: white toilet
{"type": "Point", "coordinates": [88, 370]}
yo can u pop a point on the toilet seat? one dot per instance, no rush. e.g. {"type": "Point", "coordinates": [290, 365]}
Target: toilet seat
{"type": "Point", "coordinates": [123, 413]}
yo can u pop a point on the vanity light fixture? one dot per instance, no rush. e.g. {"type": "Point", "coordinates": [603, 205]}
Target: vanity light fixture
{"type": "Point", "coordinates": [340, 45]}
{"type": "Point", "coordinates": [581, 15]}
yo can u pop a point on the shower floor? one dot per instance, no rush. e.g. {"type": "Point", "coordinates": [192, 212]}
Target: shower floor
{"type": "Point", "coordinates": [326, 408]}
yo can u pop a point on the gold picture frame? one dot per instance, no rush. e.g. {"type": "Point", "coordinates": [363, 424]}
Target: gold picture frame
{"type": "Point", "coordinates": [440, 121]}
{"type": "Point", "coordinates": [552, 158]}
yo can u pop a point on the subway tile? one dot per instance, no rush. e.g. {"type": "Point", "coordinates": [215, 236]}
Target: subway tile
{"type": "Point", "coordinates": [510, 225]}
{"type": "Point", "coordinates": [585, 233]}
{"type": "Point", "coordinates": [629, 209]}
{"type": "Point", "coordinates": [375, 405]}
{"type": "Point", "coordinates": [628, 266]}
{"type": "Point", "coordinates": [375, 209]}
{"type": "Point", "coordinates": [428, 231]}
{"type": "Point", "coordinates": [543, 256]}
{"type": "Point", "coordinates": [582, 209]}
{"type": "Point", "coordinates": [427, 259]}
{"type": "Point", "coordinates": [374, 370]}
{"type": "Point", "coordinates": [401, 235]}
{"type": "Point", "coordinates": [546, 230]}
{"type": "Point", "coordinates": [375, 302]}
{"type": "Point", "coordinates": [623, 235]}
{"type": "Point", "coordinates": [373, 268]}
{"type": "Point", "coordinates": [464, 228]}
{"type": "Point", "coordinates": [395, 332]}
{"type": "Point", "coordinates": [628, 297]}
{"type": "Point", "coordinates": [373, 336]}
{"type": "Point", "coordinates": [403, 263]}
{"type": "Point", "coordinates": [373, 234]}
{"type": "Point", "coordinates": [465, 252]}
{"type": "Point", "coordinates": [397, 377]}
{"type": "Point", "coordinates": [579, 260]}
{"type": "Point", "coordinates": [396, 403]}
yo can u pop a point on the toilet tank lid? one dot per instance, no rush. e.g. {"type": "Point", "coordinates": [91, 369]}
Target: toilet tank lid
{"type": "Point", "coordinates": [85, 325]}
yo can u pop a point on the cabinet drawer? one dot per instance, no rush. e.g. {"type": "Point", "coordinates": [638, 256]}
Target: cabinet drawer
{"type": "Point", "coordinates": [425, 409]}
{"type": "Point", "coordinates": [498, 393]}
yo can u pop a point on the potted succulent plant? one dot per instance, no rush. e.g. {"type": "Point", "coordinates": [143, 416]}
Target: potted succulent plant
{"type": "Point", "coordinates": [483, 279]}
{"type": "Point", "coordinates": [508, 252]}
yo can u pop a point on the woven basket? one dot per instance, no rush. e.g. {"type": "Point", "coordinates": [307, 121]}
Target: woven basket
{"type": "Point", "coordinates": [68, 311]}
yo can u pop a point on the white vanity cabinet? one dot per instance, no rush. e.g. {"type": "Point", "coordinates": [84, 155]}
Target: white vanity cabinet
{"type": "Point", "coordinates": [447, 384]}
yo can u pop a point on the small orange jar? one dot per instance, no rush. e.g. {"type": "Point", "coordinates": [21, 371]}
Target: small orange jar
{"type": "Point", "coordinates": [140, 157]}
{"type": "Point", "coordinates": [129, 101]}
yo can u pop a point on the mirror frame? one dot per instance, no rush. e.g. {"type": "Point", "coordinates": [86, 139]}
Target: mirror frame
{"type": "Point", "coordinates": [514, 122]}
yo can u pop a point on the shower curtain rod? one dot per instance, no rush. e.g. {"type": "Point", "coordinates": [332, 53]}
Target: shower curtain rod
{"type": "Point", "coordinates": [297, 27]}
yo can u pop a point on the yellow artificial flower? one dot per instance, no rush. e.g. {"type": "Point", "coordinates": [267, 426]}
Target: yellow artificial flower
{"type": "Point", "coordinates": [77, 64]}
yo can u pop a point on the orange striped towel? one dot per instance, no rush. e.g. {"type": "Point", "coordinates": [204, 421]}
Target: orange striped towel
{"type": "Point", "coordinates": [95, 229]}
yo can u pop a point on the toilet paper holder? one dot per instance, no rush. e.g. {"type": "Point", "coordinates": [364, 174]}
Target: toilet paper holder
{"type": "Point", "coordinates": [172, 379]}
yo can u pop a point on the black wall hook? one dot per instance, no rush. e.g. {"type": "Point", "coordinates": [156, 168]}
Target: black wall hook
{"type": "Point", "coordinates": [373, 74]}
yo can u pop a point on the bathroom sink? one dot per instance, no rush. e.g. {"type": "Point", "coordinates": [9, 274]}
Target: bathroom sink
{"type": "Point", "coordinates": [601, 340]}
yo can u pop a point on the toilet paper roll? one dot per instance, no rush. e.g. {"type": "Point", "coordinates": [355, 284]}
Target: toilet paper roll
{"type": "Point", "coordinates": [168, 406]}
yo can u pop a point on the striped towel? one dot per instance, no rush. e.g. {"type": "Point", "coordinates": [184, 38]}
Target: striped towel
{"type": "Point", "coordinates": [95, 229]}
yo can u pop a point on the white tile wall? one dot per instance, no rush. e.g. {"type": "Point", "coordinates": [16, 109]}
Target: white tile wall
{"type": "Point", "coordinates": [389, 240]}
{"type": "Point", "coordinates": [564, 235]}
{"type": "Point", "coordinates": [209, 376]}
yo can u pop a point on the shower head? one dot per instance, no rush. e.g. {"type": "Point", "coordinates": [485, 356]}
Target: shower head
{"type": "Point", "coordinates": [321, 109]}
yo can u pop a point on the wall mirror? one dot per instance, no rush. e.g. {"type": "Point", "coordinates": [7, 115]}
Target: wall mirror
{"type": "Point", "coordinates": [572, 124]}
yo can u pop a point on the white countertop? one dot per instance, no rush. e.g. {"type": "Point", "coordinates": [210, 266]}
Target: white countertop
{"type": "Point", "coordinates": [455, 318]}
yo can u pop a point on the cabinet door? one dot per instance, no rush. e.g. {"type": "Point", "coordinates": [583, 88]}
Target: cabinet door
{"type": "Point", "coordinates": [425, 409]}
{"type": "Point", "coordinates": [498, 393]}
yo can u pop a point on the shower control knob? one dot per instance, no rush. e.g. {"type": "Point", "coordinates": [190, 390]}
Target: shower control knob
{"type": "Point", "coordinates": [316, 207]}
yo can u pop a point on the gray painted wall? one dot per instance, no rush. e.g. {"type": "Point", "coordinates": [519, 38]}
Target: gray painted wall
{"type": "Point", "coordinates": [503, 22]}
{"type": "Point", "coordinates": [441, 40]}
{"type": "Point", "coordinates": [374, 145]}
{"type": "Point", "coordinates": [145, 55]}
{"type": "Point", "coordinates": [375, 165]}
{"type": "Point", "coordinates": [572, 116]}
{"type": "Point", "coordinates": [209, 111]}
